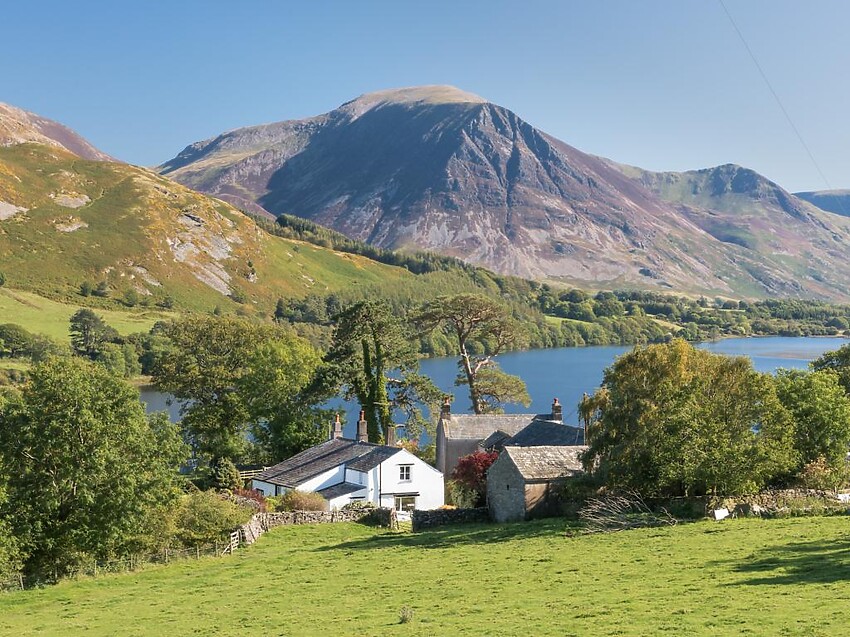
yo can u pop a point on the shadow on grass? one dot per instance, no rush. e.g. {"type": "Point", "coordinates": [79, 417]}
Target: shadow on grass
{"type": "Point", "coordinates": [818, 562]}
{"type": "Point", "coordinates": [457, 535]}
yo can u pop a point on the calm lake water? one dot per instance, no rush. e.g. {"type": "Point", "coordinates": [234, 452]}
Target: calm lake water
{"type": "Point", "coordinates": [569, 372]}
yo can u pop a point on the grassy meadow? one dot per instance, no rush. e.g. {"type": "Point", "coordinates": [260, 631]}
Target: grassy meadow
{"type": "Point", "coordinates": [40, 315]}
{"type": "Point", "coordinates": [738, 577]}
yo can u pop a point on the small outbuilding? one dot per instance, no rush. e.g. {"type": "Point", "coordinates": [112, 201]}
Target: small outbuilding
{"type": "Point", "coordinates": [526, 482]}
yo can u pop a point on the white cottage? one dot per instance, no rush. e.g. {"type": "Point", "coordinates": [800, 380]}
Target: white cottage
{"type": "Point", "coordinates": [345, 471]}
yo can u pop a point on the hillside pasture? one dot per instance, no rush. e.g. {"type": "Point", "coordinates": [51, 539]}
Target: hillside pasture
{"type": "Point", "coordinates": [738, 577]}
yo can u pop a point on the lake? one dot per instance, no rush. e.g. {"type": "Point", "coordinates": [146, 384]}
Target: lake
{"type": "Point", "coordinates": [569, 372]}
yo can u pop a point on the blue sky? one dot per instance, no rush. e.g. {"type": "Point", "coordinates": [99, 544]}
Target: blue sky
{"type": "Point", "coordinates": [666, 85]}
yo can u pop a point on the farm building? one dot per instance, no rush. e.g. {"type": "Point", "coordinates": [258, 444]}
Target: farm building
{"type": "Point", "coordinates": [526, 482]}
{"type": "Point", "coordinates": [459, 435]}
{"type": "Point", "coordinates": [345, 471]}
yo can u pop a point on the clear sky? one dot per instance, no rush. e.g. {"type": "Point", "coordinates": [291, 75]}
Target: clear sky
{"type": "Point", "coordinates": [662, 84]}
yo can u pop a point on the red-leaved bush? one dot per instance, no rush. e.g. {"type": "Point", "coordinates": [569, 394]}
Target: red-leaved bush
{"type": "Point", "coordinates": [471, 470]}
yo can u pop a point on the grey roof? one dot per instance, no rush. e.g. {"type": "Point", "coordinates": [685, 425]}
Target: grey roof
{"type": "Point", "coordinates": [544, 463]}
{"type": "Point", "coordinates": [479, 426]}
{"type": "Point", "coordinates": [372, 459]}
{"type": "Point", "coordinates": [496, 440]}
{"type": "Point", "coordinates": [315, 460]}
{"type": "Point", "coordinates": [548, 433]}
{"type": "Point", "coordinates": [343, 488]}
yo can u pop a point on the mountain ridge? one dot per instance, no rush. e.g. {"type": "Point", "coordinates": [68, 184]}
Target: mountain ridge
{"type": "Point", "coordinates": [438, 169]}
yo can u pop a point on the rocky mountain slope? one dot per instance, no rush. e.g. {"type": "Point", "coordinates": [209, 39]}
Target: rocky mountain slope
{"type": "Point", "coordinates": [837, 201]}
{"type": "Point", "coordinates": [65, 220]}
{"type": "Point", "coordinates": [439, 169]}
{"type": "Point", "coordinates": [18, 126]}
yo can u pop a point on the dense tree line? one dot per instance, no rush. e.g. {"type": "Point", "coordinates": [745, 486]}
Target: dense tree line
{"type": "Point", "coordinates": [671, 419]}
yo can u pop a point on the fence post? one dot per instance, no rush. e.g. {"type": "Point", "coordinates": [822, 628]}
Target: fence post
{"type": "Point", "coordinates": [21, 580]}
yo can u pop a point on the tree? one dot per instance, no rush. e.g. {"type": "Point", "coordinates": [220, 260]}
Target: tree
{"type": "Point", "coordinates": [476, 318]}
{"type": "Point", "coordinates": [205, 517]}
{"type": "Point", "coordinates": [821, 412]}
{"type": "Point", "coordinates": [231, 374]}
{"type": "Point", "coordinates": [671, 420]}
{"type": "Point", "coordinates": [369, 343]}
{"type": "Point", "coordinates": [838, 362]}
{"type": "Point", "coordinates": [86, 288]}
{"type": "Point", "coordinates": [280, 395]}
{"type": "Point", "coordinates": [280, 311]}
{"type": "Point", "coordinates": [131, 298]}
{"type": "Point", "coordinates": [88, 472]}
{"type": "Point", "coordinates": [89, 332]}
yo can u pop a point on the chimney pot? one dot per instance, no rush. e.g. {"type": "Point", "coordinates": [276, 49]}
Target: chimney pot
{"type": "Point", "coordinates": [557, 411]}
{"type": "Point", "coordinates": [337, 428]}
{"type": "Point", "coordinates": [362, 429]}
{"type": "Point", "coordinates": [446, 409]}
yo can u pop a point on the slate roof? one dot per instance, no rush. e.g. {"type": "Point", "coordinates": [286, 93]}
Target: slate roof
{"type": "Point", "coordinates": [547, 433]}
{"type": "Point", "coordinates": [323, 457]}
{"type": "Point", "coordinates": [343, 488]}
{"type": "Point", "coordinates": [496, 440]}
{"type": "Point", "coordinates": [546, 463]}
{"type": "Point", "coordinates": [372, 459]}
{"type": "Point", "coordinates": [478, 427]}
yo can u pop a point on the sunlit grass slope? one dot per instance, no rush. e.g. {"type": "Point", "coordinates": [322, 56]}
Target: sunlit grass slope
{"type": "Point", "coordinates": [744, 577]}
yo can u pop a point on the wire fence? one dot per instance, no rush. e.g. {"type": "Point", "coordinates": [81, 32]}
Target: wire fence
{"type": "Point", "coordinates": [226, 546]}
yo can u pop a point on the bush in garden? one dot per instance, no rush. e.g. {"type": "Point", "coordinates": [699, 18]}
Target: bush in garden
{"type": "Point", "coordinates": [303, 501]}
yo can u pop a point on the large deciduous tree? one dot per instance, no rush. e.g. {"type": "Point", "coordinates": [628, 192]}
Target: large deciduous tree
{"type": "Point", "coordinates": [671, 419]}
{"type": "Point", "coordinates": [821, 412]}
{"type": "Point", "coordinates": [88, 473]}
{"type": "Point", "coordinates": [236, 376]}
{"type": "Point", "coordinates": [482, 328]}
{"type": "Point", "coordinates": [837, 361]}
{"type": "Point", "coordinates": [373, 358]}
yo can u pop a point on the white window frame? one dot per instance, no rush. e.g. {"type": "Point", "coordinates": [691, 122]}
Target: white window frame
{"type": "Point", "coordinates": [404, 472]}
{"type": "Point", "coordinates": [399, 502]}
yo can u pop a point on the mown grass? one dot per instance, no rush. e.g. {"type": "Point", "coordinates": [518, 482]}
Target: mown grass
{"type": "Point", "coordinates": [742, 577]}
{"type": "Point", "coordinates": [51, 318]}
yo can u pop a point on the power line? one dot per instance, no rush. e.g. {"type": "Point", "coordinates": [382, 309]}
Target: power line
{"type": "Point", "coordinates": [776, 97]}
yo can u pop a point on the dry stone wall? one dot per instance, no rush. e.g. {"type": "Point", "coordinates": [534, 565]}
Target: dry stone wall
{"type": "Point", "coordinates": [262, 522]}
{"type": "Point", "coordinates": [441, 517]}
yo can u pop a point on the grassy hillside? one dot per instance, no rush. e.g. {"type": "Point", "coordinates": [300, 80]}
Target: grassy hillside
{"type": "Point", "coordinates": [754, 577]}
{"type": "Point", "coordinates": [64, 220]}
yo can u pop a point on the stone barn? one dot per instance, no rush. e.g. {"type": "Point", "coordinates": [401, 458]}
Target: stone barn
{"type": "Point", "coordinates": [526, 482]}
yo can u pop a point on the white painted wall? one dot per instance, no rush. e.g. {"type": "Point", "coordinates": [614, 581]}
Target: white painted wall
{"type": "Point", "coordinates": [424, 479]}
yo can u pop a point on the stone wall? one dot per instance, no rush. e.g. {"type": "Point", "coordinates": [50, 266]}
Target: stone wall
{"type": "Point", "coordinates": [262, 522]}
{"type": "Point", "coordinates": [441, 517]}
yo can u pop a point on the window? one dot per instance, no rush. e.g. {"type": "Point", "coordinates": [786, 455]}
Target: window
{"type": "Point", "coordinates": [405, 502]}
{"type": "Point", "coordinates": [404, 472]}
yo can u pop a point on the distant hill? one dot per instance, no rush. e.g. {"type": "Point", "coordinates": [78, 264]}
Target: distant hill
{"type": "Point", "coordinates": [837, 201]}
{"type": "Point", "coordinates": [18, 126]}
{"type": "Point", "coordinates": [439, 169]}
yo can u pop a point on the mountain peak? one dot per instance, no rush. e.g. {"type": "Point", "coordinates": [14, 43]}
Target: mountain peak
{"type": "Point", "coordinates": [18, 126]}
{"type": "Point", "coordinates": [429, 94]}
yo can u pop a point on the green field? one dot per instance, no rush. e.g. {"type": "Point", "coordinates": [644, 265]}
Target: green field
{"type": "Point", "coordinates": [739, 577]}
{"type": "Point", "coordinates": [43, 316]}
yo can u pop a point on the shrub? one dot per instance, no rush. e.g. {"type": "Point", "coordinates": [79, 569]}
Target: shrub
{"type": "Point", "coordinates": [225, 475]}
{"type": "Point", "coordinates": [405, 615]}
{"type": "Point", "coordinates": [250, 498]}
{"type": "Point", "coordinates": [819, 474]}
{"type": "Point", "coordinates": [462, 496]}
{"type": "Point", "coordinates": [470, 476]}
{"type": "Point", "coordinates": [303, 501]}
{"type": "Point", "coordinates": [205, 517]}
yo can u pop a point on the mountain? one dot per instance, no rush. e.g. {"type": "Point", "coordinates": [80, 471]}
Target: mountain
{"type": "Point", "coordinates": [66, 220]}
{"type": "Point", "coordinates": [18, 126]}
{"type": "Point", "coordinates": [837, 201]}
{"type": "Point", "coordinates": [439, 169]}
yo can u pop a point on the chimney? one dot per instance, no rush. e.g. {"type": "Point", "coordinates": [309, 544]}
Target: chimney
{"type": "Point", "coordinates": [557, 411]}
{"type": "Point", "coordinates": [362, 431]}
{"type": "Point", "coordinates": [390, 436]}
{"type": "Point", "coordinates": [337, 428]}
{"type": "Point", "coordinates": [446, 409]}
